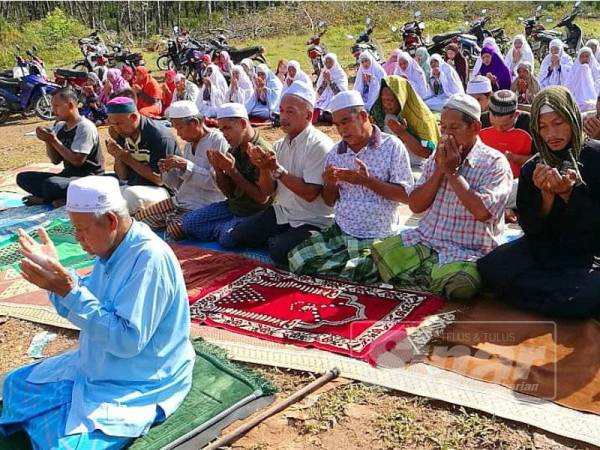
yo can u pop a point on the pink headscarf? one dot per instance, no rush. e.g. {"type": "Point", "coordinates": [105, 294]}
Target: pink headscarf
{"type": "Point", "coordinates": [390, 65]}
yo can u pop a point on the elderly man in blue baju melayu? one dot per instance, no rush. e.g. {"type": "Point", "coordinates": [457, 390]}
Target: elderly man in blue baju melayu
{"type": "Point", "coordinates": [134, 364]}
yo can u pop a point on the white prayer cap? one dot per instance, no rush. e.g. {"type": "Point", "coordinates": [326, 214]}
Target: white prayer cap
{"type": "Point", "coordinates": [94, 194]}
{"type": "Point", "coordinates": [302, 90]}
{"type": "Point", "coordinates": [179, 77]}
{"type": "Point", "coordinates": [546, 108]}
{"type": "Point", "coordinates": [232, 110]}
{"type": "Point", "coordinates": [182, 109]}
{"type": "Point", "coordinates": [346, 99]}
{"type": "Point", "coordinates": [465, 104]}
{"type": "Point", "coordinates": [479, 85]}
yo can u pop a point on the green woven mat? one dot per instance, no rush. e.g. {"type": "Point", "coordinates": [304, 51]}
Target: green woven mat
{"type": "Point", "coordinates": [62, 234]}
{"type": "Point", "coordinates": [218, 384]}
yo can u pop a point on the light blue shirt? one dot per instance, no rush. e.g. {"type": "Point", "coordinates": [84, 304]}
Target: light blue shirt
{"type": "Point", "coordinates": [134, 352]}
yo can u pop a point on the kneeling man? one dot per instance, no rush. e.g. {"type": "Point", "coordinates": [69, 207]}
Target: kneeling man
{"type": "Point", "coordinates": [134, 363]}
{"type": "Point", "coordinates": [463, 191]}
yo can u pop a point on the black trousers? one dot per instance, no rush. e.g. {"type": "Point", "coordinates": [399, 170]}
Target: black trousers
{"type": "Point", "coordinates": [516, 276]}
{"type": "Point", "coordinates": [48, 186]}
{"type": "Point", "coordinates": [261, 229]}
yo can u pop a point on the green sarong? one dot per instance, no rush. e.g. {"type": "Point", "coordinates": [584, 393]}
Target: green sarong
{"type": "Point", "coordinates": [62, 234]}
{"type": "Point", "coordinates": [335, 253]}
{"type": "Point", "coordinates": [417, 267]}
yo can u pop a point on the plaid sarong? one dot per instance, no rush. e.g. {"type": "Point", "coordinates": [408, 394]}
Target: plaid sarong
{"type": "Point", "coordinates": [417, 267]}
{"type": "Point", "coordinates": [335, 253]}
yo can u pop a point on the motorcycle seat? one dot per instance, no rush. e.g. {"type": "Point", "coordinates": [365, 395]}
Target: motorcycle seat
{"type": "Point", "coordinates": [445, 36]}
{"type": "Point", "coordinates": [66, 73]}
{"type": "Point", "coordinates": [9, 84]}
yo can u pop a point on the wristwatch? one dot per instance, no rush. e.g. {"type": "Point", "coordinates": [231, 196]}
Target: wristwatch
{"type": "Point", "coordinates": [278, 173]}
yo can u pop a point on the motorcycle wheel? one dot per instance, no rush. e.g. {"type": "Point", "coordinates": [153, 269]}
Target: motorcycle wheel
{"type": "Point", "coordinates": [43, 107]}
{"type": "Point", "coordinates": [4, 110]}
{"type": "Point", "coordinates": [80, 67]}
{"type": "Point", "coordinates": [163, 62]}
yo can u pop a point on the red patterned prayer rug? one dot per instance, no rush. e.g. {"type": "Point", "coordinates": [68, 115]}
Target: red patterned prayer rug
{"type": "Point", "coordinates": [336, 316]}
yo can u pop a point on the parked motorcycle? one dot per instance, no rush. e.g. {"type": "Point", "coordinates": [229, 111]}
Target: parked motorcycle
{"type": "Point", "coordinates": [574, 39]}
{"type": "Point", "coordinates": [479, 29]}
{"type": "Point", "coordinates": [364, 43]}
{"type": "Point", "coordinates": [27, 94]}
{"type": "Point", "coordinates": [173, 58]}
{"type": "Point", "coordinates": [465, 41]}
{"type": "Point", "coordinates": [219, 44]}
{"type": "Point", "coordinates": [93, 48]}
{"type": "Point", "coordinates": [317, 51]}
{"type": "Point", "coordinates": [412, 34]}
{"type": "Point", "coordinates": [537, 35]}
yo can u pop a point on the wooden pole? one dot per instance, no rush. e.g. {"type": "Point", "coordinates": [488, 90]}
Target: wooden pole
{"type": "Point", "coordinates": [296, 397]}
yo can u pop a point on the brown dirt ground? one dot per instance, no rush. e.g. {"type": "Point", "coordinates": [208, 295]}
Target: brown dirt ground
{"type": "Point", "coordinates": [341, 415]}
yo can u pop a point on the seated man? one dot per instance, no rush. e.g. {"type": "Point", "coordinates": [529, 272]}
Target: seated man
{"type": "Point", "coordinates": [515, 144]}
{"type": "Point", "coordinates": [134, 363]}
{"type": "Point", "coordinates": [553, 269]}
{"type": "Point", "coordinates": [294, 174]}
{"type": "Point", "coordinates": [236, 177]}
{"type": "Point", "coordinates": [463, 192]}
{"type": "Point", "coordinates": [140, 143]}
{"type": "Point", "coordinates": [191, 176]}
{"type": "Point", "coordinates": [400, 111]}
{"type": "Point", "coordinates": [366, 177]}
{"type": "Point", "coordinates": [73, 141]}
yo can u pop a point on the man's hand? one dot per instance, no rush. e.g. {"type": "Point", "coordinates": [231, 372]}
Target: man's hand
{"type": "Point", "coordinates": [114, 149]}
{"type": "Point", "coordinates": [51, 276]}
{"type": "Point", "coordinates": [262, 159]}
{"type": "Point", "coordinates": [224, 162]}
{"type": "Point", "coordinates": [172, 162]}
{"type": "Point", "coordinates": [31, 249]}
{"type": "Point", "coordinates": [563, 184]}
{"type": "Point", "coordinates": [45, 134]}
{"type": "Point", "coordinates": [329, 176]}
{"type": "Point", "coordinates": [360, 176]}
{"type": "Point", "coordinates": [542, 175]}
{"type": "Point", "coordinates": [450, 155]}
{"type": "Point", "coordinates": [40, 264]}
{"type": "Point", "coordinates": [397, 127]}
{"type": "Point", "coordinates": [592, 127]}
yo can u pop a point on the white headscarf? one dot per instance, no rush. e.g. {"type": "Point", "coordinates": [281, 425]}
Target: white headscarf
{"type": "Point", "coordinates": [414, 74]}
{"type": "Point", "coordinates": [300, 76]}
{"type": "Point", "coordinates": [490, 42]}
{"type": "Point", "coordinates": [449, 77]}
{"type": "Point", "coordinates": [583, 81]}
{"type": "Point", "coordinates": [218, 86]}
{"type": "Point", "coordinates": [338, 76]}
{"type": "Point", "coordinates": [526, 55]}
{"type": "Point", "coordinates": [249, 68]}
{"type": "Point", "coordinates": [377, 73]}
{"type": "Point", "coordinates": [244, 90]}
{"type": "Point", "coordinates": [597, 44]}
{"type": "Point", "coordinates": [565, 62]}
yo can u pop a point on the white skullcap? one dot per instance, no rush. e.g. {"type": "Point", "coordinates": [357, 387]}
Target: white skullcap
{"type": "Point", "coordinates": [303, 90]}
{"type": "Point", "coordinates": [179, 77]}
{"type": "Point", "coordinates": [546, 108]}
{"type": "Point", "coordinates": [479, 85]}
{"type": "Point", "coordinates": [346, 99]}
{"type": "Point", "coordinates": [182, 109]}
{"type": "Point", "coordinates": [232, 110]}
{"type": "Point", "coordinates": [94, 194]}
{"type": "Point", "coordinates": [465, 104]}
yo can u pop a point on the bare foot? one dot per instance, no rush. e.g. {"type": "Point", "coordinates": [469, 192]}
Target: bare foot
{"type": "Point", "coordinates": [59, 202]}
{"type": "Point", "coordinates": [32, 200]}
{"type": "Point", "coordinates": [510, 216]}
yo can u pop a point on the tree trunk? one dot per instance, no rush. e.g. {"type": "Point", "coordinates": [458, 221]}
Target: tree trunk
{"type": "Point", "coordinates": [129, 17]}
